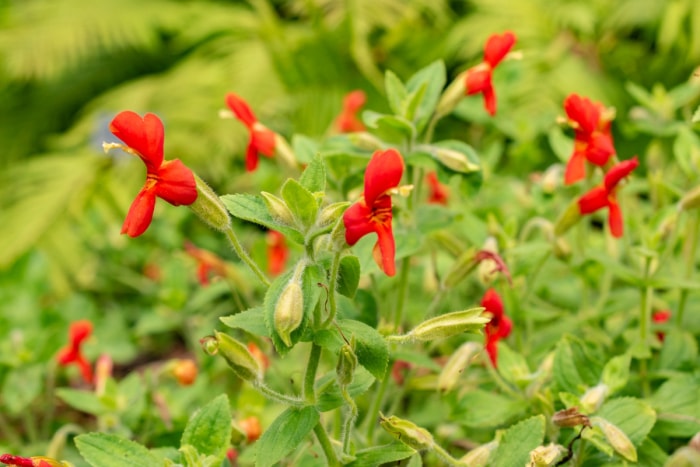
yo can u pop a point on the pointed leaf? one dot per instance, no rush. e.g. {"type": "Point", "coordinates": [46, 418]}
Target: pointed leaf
{"type": "Point", "coordinates": [348, 276]}
{"type": "Point", "coordinates": [433, 78]}
{"type": "Point", "coordinates": [250, 320]}
{"type": "Point", "coordinates": [314, 176]}
{"type": "Point", "coordinates": [301, 202]}
{"type": "Point", "coordinates": [252, 208]}
{"type": "Point", "coordinates": [107, 450]}
{"type": "Point", "coordinates": [285, 434]}
{"type": "Point", "coordinates": [209, 429]}
{"type": "Point", "coordinates": [395, 92]}
{"type": "Point", "coordinates": [381, 455]}
{"type": "Point", "coordinates": [517, 442]}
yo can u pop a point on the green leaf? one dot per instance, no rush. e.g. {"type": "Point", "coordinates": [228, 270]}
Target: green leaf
{"type": "Point", "coordinates": [577, 365]}
{"type": "Point", "coordinates": [83, 401]}
{"type": "Point", "coordinates": [22, 385]}
{"type": "Point", "coordinates": [388, 127]}
{"type": "Point", "coordinates": [696, 115]}
{"type": "Point", "coordinates": [252, 208]}
{"type": "Point", "coordinates": [562, 145]}
{"type": "Point", "coordinates": [517, 442]}
{"type": "Point", "coordinates": [395, 92]}
{"type": "Point", "coordinates": [482, 409]}
{"type": "Point", "coordinates": [328, 392]}
{"type": "Point", "coordinates": [305, 149]}
{"type": "Point", "coordinates": [106, 450]}
{"type": "Point", "coordinates": [209, 429]}
{"type": "Point", "coordinates": [248, 320]}
{"type": "Point", "coordinates": [679, 350]}
{"type": "Point", "coordinates": [314, 176]}
{"type": "Point", "coordinates": [370, 347]}
{"type": "Point", "coordinates": [677, 404]}
{"type": "Point", "coordinates": [348, 276]}
{"type": "Point", "coordinates": [633, 416]}
{"type": "Point", "coordinates": [512, 366]}
{"type": "Point", "coordinates": [616, 372]}
{"type": "Point", "coordinates": [301, 202]}
{"type": "Point", "coordinates": [464, 161]}
{"type": "Point", "coordinates": [432, 79]}
{"type": "Point", "coordinates": [380, 455]}
{"type": "Point", "coordinates": [285, 434]}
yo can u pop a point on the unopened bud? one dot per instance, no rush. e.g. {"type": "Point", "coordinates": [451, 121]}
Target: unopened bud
{"type": "Point", "coordinates": [546, 456]}
{"type": "Point", "coordinates": [594, 397]}
{"type": "Point", "coordinates": [488, 268]}
{"type": "Point", "coordinates": [278, 209]}
{"type": "Point", "coordinates": [338, 242]}
{"type": "Point", "coordinates": [331, 213]}
{"type": "Point", "coordinates": [365, 141]}
{"type": "Point", "coordinates": [479, 456]}
{"type": "Point", "coordinates": [447, 325]}
{"type": "Point", "coordinates": [209, 207]}
{"type": "Point", "coordinates": [462, 266]}
{"type": "Point", "coordinates": [561, 248]}
{"type": "Point", "coordinates": [185, 371]}
{"type": "Point", "coordinates": [407, 432]}
{"type": "Point", "coordinates": [569, 418]}
{"type": "Point", "coordinates": [458, 362]}
{"type": "Point", "coordinates": [455, 160]}
{"type": "Point", "coordinates": [617, 438]}
{"type": "Point", "coordinates": [568, 219]}
{"type": "Point", "coordinates": [289, 311]}
{"type": "Point", "coordinates": [238, 357]}
{"type": "Point", "coordinates": [347, 363]}
{"type": "Point", "coordinates": [690, 200]}
{"type": "Point", "coordinates": [451, 97]}
{"type": "Point", "coordinates": [551, 179]}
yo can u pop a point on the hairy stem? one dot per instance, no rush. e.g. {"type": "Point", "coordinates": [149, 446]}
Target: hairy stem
{"type": "Point", "coordinates": [326, 445]}
{"type": "Point", "coordinates": [310, 375]}
{"type": "Point", "coordinates": [236, 244]}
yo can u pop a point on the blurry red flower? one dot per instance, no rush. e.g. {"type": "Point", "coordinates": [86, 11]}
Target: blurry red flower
{"type": "Point", "coordinates": [34, 461]}
{"type": "Point", "coordinates": [438, 192]}
{"type": "Point", "coordinates": [592, 138]}
{"type": "Point", "coordinates": [207, 263]}
{"type": "Point", "coordinates": [262, 139]}
{"type": "Point", "coordinates": [480, 78]}
{"type": "Point", "coordinates": [169, 180]}
{"type": "Point", "coordinates": [348, 121]}
{"type": "Point", "coordinates": [259, 355]}
{"type": "Point", "coordinates": [661, 317]}
{"type": "Point", "coordinates": [277, 252]}
{"type": "Point", "coordinates": [399, 370]}
{"type": "Point", "coordinates": [185, 371]}
{"type": "Point", "coordinates": [251, 427]}
{"type": "Point", "coordinates": [605, 195]}
{"type": "Point", "coordinates": [372, 213]}
{"type": "Point", "coordinates": [232, 456]}
{"type": "Point", "coordinates": [78, 332]}
{"type": "Point", "coordinates": [500, 325]}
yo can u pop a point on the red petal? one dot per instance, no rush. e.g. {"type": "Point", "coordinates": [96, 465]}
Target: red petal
{"type": "Point", "coordinates": [600, 148]}
{"type": "Point", "coordinates": [357, 220]}
{"type": "Point", "coordinates": [263, 140]}
{"type": "Point", "coordinates": [582, 111]}
{"type": "Point", "coordinates": [251, 157]}
{"type": "Point", "coordinates": [241, 109]}
{"type": "Point", "coordinates": [493, 303]}
{"type": "Point", "coordinates": [354, 101]}
{"type": "Point", "coordinates": [575, 168]}
{"type": "Point", "coordinates": [85, 369]}
{"type": "Point", "coordinates": [595, 199]}
{"type": "Point", "coordinates": [620, 171]}
{"type": "Point", "coordinates": [143, 135]}
{"type": "Point", "coordinates": [386, 248]}
{"type": "Point", "coordinates": [661, 316]}
{"type": "Point", "coordinates": [490, 100]}
{"type": "Point", "coordinates": [140, 213]}
{"type": "Point", "coordinates": [497, 47]}
{"type": "Point", "coordinates": [66, 355]}
{"type": "Point", "coordinates": [505, 327]}
{"type": "Point", "coordinates": [478, 79]}
{"type": "Point", "coordinates": [79, 331]}
{"type": "Point", "coordinates": [492, 349]}
{"type": "Point", "coordinates": [176, 183]}
{"type": "Point", "coordinates": [383, 173]}
{"type": "Point", "coordinates": [615, 219]}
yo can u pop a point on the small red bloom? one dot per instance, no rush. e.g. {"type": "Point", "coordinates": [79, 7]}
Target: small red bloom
{"type": "Point", "coordinates": [79, 331]}
{"type": "Point", "coordinates": [259, 355]}
{"type": "Point", "coordinates": [399, 370]}
{"type": "Point", "coordinates": [251, 427]}
{"type": "Point", "coordinates": [348, 121]}
{"type": "Point", "coordinates": [34, 461]}
{"type": "Point", "coordinates": [500, 325]}
{"type": "Point", "coordinates": [277, 252]}
{"type": "Point", "coordinates": [605, 195]}
{"type": "Point", "coordinates": [262, 139]}
{"type": "Point", "coordinates": [438, 191]}
{"type": "Point", "coordinates": [661, 317]}
{"type": "Point", "coordinates": [592, 138]}
{"type": "Point", "coordinates": [372, 213]}
{"type": "Point", "coordinates": [185, 371]}
{"type": "Point", "coordinates": [169, 180]}
{"type": "Point", "coordinates": [480, 78]}
{"type": "Point", "coordinates": [208, 263]}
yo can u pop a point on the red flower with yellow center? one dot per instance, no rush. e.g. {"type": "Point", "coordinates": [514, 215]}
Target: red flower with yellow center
{"type": "Point", "coordinates": [78, 332]}
{"type": "Point", "coordinates": [372, 213]}
{"type": "Point", "coordinates": [348, 121]}
{"type": "Point", "coordinates": [262, 139]}
{"type": "Point", "coordinates": [592, 138]}
{"type": "Point", "coordinates": [480, 78]}
{"type": "Point", "coordinates": [605, 195]}
{"type": "Point", "coordinates": [500, 325]}
{"type": "Point", "coordinates": [169, 180]}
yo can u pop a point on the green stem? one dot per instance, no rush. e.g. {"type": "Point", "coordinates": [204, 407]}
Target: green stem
{"type": "Point", "coordinates": [58, 441]}
{"type": "Point", "coordinates": [277, 396]}
{"type": "Point", "coordinates": [324, 440]}
{"type": "Point", "coordinates": [446, 457]}
{"type": "Point", "coordinates": [373, 412]}
{"type": "Point", "coordinates": [689, 246]}
{"type": "Point", "coordinates": [310, 375]}
{"type": "Point", "coordinates": [644, 319]}
{"type": "Point", "coordinates": [335, 268]}
{"type": "Point", "coordinates": [401, 293]}
{"type": "Point", "coordinates": [233, 240]}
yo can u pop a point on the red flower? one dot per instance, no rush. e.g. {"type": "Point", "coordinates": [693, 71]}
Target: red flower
{"type": "Point", "coordinates": [372, 213]}
{"type": "Point", "coordinates": [251, 427]}
{"type": "Point", "coordinates": [399, 370]}
{"type": "Point", "coordinates": [259, 355]}
{"type": "Point", "coordinates": [277, 252]}
{"type": "Point", "coordinates": [592, 138]}
{"type": "Point", "coordinates": [34, 461]}
{"type": "Point", "coordinates": [348, 121]}
{"type": "Point", "coordinates": [169, 180]}
{"type": "Point", "coordinates": [661, 317]}
{"type": "Point", "coordinates": [208, 263]}
{"type": "Point", "coordinates": [480, 78]}
{"type": "Point", "coordinates": [605, 195]}
{"type": "Point", "coordinates": [78, 332]}
{"type": "Point", "coordinates": [500, 325]}
{"type": "Point", "coordinates": [262, 139]}
{"type": "Point", "coordinates": [438, 191]}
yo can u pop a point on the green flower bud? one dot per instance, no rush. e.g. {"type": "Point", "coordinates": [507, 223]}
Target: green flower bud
{"type": "Point", "coordinates": [289, 311]}
{"type": "Point", "coordinates": [479, 456]}
{"type": "Point", "coordinates": [331, 213]}
{"type": "Point", "coordinates": [594, 397]}
{"type": "Point", "coordinates": [338, 237]}
{"type": "Point", "coordinates": [546, 456]}
{"type": "Point", "coordinates": [458, 362]}
{"type": "Point", "coordinates": [347, 363]}
{"type": "Point", "coordinates": [209, 208]}
{"type": "Point", "coordinates": [568, 218]}
{"type": "Point", "coordinates": [561, 248]}
{"type": "Point", "coordinates": [407, 432]}
{"type": "Point", "coordinates": [690, 200]}
{"type": "Point", "coordinates": [455, 160]}
{"type": "Point", "coordinates": [570, 417]}
{"type": "Point", "coordinates": [238, 357]}
{"type": "Point", "coordinates": [617, 438]}
{"type": "Point", "coordinates": [448, 325]}
{"type": "Point", "coordinates": [278, 209]}
{"type": "Point", "coordinates": [365, 141]}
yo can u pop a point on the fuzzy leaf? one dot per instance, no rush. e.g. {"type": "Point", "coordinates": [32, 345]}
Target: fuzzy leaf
{"type": "Point", "coordinates": [314, 176]}
{"type": "Point", "coordinates": [209, 429]}
{"type": "Point", "coordinates": [633, 416]}
{"type": "Point", "coordinates": [370, 347]}
{"type": "Point", "coordinates": [348, 276]}
{"type": "Point", "coordinates": [577, 365]}
{"type": "Point", "coordinates": [432, 79]}
{"type": "Point", "coordinates": [248, 320]}
{"type": "Point", "coordinates": [252, 208]}
{"type": "Point", "coordinates": [395, 92]}
{"type": "Point", "coordinates": [285, 434]}
{"type": "Point", "coordinates": [482, 409]}
{"type": "Point", "coordinates": [107, 450]}
{"type": "Point", "coordinates": [301, 202]}
{"type": "Point", "coordinates": [677, 404]}
{"type": "Point", "coordinates": [381, 455]}
{"type": "Point", "coordinates": [517, 442]}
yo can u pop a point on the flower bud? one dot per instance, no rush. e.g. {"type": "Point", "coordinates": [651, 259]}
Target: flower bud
{"type": "Point", "coordinates": [331, 213]}
{"type": "Point", "coordinates": [462, 266]}
{"type": "Point", "coordinates": [488, 268]}
{"type": "Point", "coordinates": [551, 178]}
{"type": "Point", "coordinates": [569, 418]}
{"type": "Point", "coordinates": [448, 325]}
{"type": "Point", "coordinates": [617, 438]}
{"type": "Point", "coordinates": [568, 219]}
{"type": "Point", "coordinates": [347, 362]}
{"type": "Point", "coordinates": [185, 371]}
{"type": "Point", "coordinates": [338, 242]}
{"type": "Point", "coordinates": [278, 209]}
{"type": "Point", "coordinates": [451, 97]}
{"type": "Point", "coordinates": [546, 456]}
{"type": "Point", "coordinates": [479, 456]}
{"type": "Point", "coordinates": [365, 141]}
{"type": "Point", "coordinates": [289, 311]}
{"type": "Point", "coordinates": [690, 200]}
{"type": "Point", "coordinates": [407, 432]}
{"type": "Point", "coordinates": [238, 357]}
{"type": "Point", "coordinates": [209, 207]}
{"type": "Point", "coordinates": [594, 397]}
{"type": "Point", "coordinates": [455, 160]}
{"type": "Point", "coordinates": [458, 362]}
{"type": "Point", "coordinates": [561, 248]}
